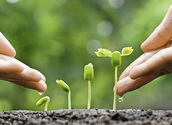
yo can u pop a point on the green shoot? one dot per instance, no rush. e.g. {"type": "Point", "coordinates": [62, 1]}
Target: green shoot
{"type": "Point", "coordinates": [116, 62]}
{"type": "Point", "coordinates": [65, 88]}
{"type": "Point", "coordinates": [43, 100]}
{"type": "Point", "coordinates": [89, 75]}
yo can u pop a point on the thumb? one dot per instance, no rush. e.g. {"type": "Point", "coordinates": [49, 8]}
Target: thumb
{"type": "Point", "coordinates": [5, 47]}
{"type": "Point", "coordinates": [161, 35]}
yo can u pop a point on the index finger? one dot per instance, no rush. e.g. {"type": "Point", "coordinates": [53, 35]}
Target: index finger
{"type": "Point", "coordinates": [137, 62]}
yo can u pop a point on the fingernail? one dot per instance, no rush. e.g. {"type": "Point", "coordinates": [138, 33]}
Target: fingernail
{"type": "Point", "coordinates": [42, 86]}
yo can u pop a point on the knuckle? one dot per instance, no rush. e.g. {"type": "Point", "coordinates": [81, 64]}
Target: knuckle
{"type": "Point", "coordinates": [162, 53]}
{"type": "Point", "coordinates": [165, 55]}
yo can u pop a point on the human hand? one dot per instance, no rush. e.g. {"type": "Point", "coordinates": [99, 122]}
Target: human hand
{"type": "Point", "coordinates": [17, 72]}
{"type": "Point", "coordinates": [155, 62]}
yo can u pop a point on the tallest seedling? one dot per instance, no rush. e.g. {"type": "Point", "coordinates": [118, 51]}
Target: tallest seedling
{"type": "Point", "coordinates": [116, 62]}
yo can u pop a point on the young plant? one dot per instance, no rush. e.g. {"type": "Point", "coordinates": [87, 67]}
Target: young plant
{"type": "Point", "coordinates": [65, 88]}
{"type": "Point", "coordinates": [115, 61]}
{"type": "Point", "coordinates": [43, 100]}
{"type": "Point", "coordinates": [89, 75]}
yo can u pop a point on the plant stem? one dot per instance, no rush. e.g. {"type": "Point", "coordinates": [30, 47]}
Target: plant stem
{"type": "Point", "coordinates": [46, 105]}
{"type": "Point", "coordinates": [114, 101]}
{"type": "Point", "coordinates": [89, 95]}
{"type": "Point", "coordinates": [69, 100]}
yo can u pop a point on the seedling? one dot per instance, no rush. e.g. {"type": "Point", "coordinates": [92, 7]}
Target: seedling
{"type": "Point", "coordinates": [89, 75]}
{"type": "Point", "coordinates": [65, 88]}
{"type": "Point", "coordinates": [43, 100]}
{"type": "Point", "coordinates": [115, 61]}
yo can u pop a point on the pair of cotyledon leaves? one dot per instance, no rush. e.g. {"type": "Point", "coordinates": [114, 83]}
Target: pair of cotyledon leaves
{"type": "Point", "coordinates": [107, 53]}
{"type": "Point", "coordinates": [115, 56]}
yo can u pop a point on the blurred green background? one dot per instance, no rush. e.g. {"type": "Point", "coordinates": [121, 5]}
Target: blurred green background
{"type": "Point", "coordinates": [59, 37]}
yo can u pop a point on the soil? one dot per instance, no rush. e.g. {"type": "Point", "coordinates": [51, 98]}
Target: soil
{"type": "Point", "coordinates": [85, 117]}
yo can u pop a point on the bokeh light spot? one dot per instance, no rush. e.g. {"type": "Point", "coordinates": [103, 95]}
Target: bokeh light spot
{"type": "Point", "coordinates": [92, 46]}
{"type": "Point", "coordinates": [105, 28]}
{"type": "Point", "coordinates": [116, 3]}
{"type": "Point", "coordinates": [13, 1]}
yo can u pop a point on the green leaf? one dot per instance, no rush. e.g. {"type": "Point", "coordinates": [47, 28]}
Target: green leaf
{"type": "Point", "coordinates": [89, 72]}
{"type": "Point", "coordinates": [103, 53]}
{"type": "Point", "coordinates": [116, 59]}
{"type": "Point", "coordinates": [42, 100]}
{"type": "Point", "coordinates": [63, 85]}
{"type": "Point", "coordinates": [127, 51]}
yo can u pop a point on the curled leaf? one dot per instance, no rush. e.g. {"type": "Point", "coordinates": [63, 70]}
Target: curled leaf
{"type": "Point", "coordinates": [42, 100]}
{"type": "Point", "coordinates": [103, 53]}
{"type": "Point", "coordinates": [63, 85]}
{"type": "Point", "coordinates": [116, 59]}
{"type": "Point", "coordinates": [127, 51]}
{"type": "Point", "coordinates": [89, 72]}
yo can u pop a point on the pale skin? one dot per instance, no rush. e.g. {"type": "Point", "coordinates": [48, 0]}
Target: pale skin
{"type": "Point", "coordinates": [17, 72]}
{"type": "Point", "coordinates": [155, 62]}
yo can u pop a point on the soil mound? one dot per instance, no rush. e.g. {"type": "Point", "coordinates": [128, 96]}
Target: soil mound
{"type": "Point", "coordinates": [84, 117]}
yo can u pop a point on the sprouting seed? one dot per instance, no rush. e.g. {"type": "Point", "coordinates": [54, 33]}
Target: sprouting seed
{"type": "Point", "coordinates": [43, 100]}
{"type": "Point", "coordinates": [89, 75]}
{"type": "Point", "coordinates": [116, 59]}
{"type": "Point", "coordinates": [65, 88]}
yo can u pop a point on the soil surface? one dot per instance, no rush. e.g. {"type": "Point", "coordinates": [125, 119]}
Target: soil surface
{"type": "Point", "coordinates": [85, 117]}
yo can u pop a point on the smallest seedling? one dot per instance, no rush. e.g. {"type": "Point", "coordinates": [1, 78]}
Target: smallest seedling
{"type": "Point", "coordinates": [43, 100]}
{"type": "Point", "coordinates": [65, 88]}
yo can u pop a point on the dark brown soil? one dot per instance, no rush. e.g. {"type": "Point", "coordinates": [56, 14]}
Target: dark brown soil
{"type": "Point", "coordinates": [85, 117]}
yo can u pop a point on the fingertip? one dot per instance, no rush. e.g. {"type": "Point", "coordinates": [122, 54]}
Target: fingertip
{"type": "Point", "coordinates": [142, 46]}
{"type": "Point", "coordinates": [42, 86]}
{"type": "Point", "coordinates": [119, 93]}
{"type": "Point", "coordinates": [14, 53]}
{"type": "Point", "coordinates": [133, 74]}
{"type": "Point", "coordinates": [43, 78]}
{"type": "Point", "coordinates": [121, 86]}
{"type": "Point", "coordinates": [145, 46]}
